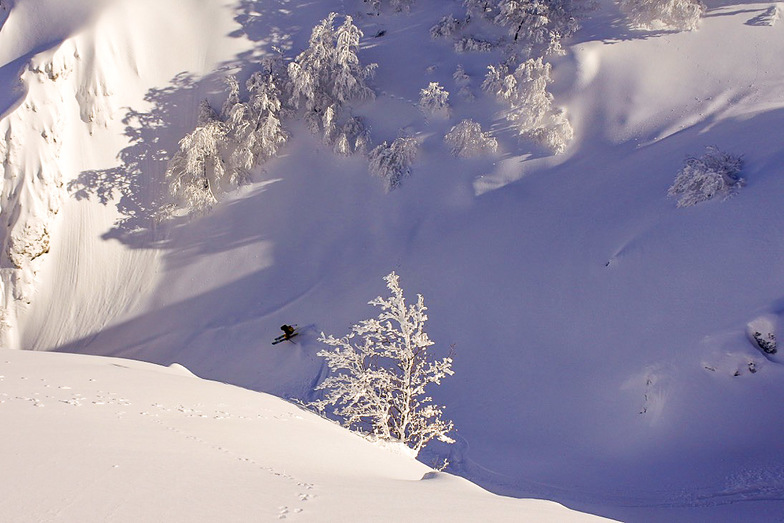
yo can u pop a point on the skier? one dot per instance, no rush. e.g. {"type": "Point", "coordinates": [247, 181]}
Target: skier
{"type": "Point", "coordinates": [288, 331]}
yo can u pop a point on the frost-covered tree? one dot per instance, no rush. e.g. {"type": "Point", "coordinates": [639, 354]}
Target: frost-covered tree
{"type": "Point", "coordinates": [351, 137]}
{"type": "Point", "coordinates": [380, 373]}
{"type": "Point", "coordinates": [399, 6]}
{"type": "Point", "coordinates": [463, 82]}
{"type": "Point", "coordinates": [467, 139]}
{"type": "Point", "coordinates": [328, 73]}
{"type": "Point", "coordinates": [447, 27]}
{"type": "Point", "coordinates": [483, 8]}
{"type": "Point", "coordinates": [222, 149]}
{"type": "Point", "coordinates": [714, 174]}
{"type": "Point", "coordinates": [254, 127]}
{"type": "Point", "coordinates": [540, 23]}
{"type": "Point", "coordinates": [683, 15]}
{"type": "Point", "coordinates": [530, 104]}
{"type": "Point", "coordinates": [392, 162]}
{"type": "Point", "coordinates": [434, 100]}
{"type": "Point", "coordinates": [198, 167]}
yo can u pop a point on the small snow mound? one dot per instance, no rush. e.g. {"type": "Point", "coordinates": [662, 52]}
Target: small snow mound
{"type": "Point", "coordinates": [181, 370]}
{"type": "Point", "coordinates": [394, 447]}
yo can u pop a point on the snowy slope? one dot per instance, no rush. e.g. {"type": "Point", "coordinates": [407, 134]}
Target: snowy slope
{"type": "Point", "coordinates": [598, 329]}
{"type": "Point", "coordinates": [97, 439]}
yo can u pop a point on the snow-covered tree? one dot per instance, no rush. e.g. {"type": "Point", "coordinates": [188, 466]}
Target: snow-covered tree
{"type": "Point", "coordinates": [714, 174]}
{"type": "Point", "coordinates": [463, 81]}
{"type": "Point", "coordinates": [447, 27]}
{"type": "Point", "coordinates": [483, 8]}
{"type": "Point", "coordinates": [328, 73]}
{"type": "Point", "coordinates": [530, 104]}
{"type": "Point", "coordinates": [683, 15]}
{"type": "Point", "coordinates": [398, 6]}
{"type": "Point", "coordinates": [392, 162]}
{"type": "Point", "coordinates": [467, 139]}
{"type": "Point", "coordinates": [222, 149]}
{"type": "Point", "coordinates": [380, 373]}
{"type": "Point", "coordinates": [540, 23]}
{"type": "Point", "coordinates": [351, 137]}
{"type": "Point", "coordinates": [198, 167]}
{"type": "Point", "coordinates": [254, 126]}
{"type": "Point", "coordinates": [434, 101]}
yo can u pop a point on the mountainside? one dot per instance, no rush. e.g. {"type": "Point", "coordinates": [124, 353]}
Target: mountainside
{"type": "Point", "coordinates": [603, 336]}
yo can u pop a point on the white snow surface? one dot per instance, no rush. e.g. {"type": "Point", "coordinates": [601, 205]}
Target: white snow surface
{"type": "Point", "coordinates": [107, 439]}
{"type": "Point", "coordinates": [602, 336]}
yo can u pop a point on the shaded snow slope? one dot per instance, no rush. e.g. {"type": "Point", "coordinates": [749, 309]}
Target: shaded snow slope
{"type": "Point", "coordinates": [97, 439]}
{"type": "Point", "coordinates": [602, 336]}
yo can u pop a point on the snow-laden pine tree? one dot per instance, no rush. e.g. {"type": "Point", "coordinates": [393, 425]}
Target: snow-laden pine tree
{"type": "Point", "coordinates": [682, 15]}
{"type": "Point", "coordinates": [434, 101]}
{"type": "Point", "coordinates": [399, 6]}
{"type": "Point", "coordinates": [467, 139]}
{"type": "Point", "coordinates": [198, 167]}
{"type": "Point", "coordinates": [540, 24]}
{"type": "Point", "coordinates": [714, 174]}
{"type": "Point", "coordinates": [254, 127]}
{"type": "Point", "coordinates": [380, 373]}
{"type": "Point", "coordinates": [328, 73]}
{"type": "Point", "coordinates": [530, 104]}
{"type": "Point", "coordinates": [392, 162]}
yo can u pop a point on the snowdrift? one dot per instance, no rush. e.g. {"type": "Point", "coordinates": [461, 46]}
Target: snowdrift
{"type": "Point", "coordinates": [104, 439]}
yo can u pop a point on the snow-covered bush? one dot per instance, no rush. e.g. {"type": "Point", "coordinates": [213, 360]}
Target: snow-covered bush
{"type": "Point", "coordinates": [466, 139]}
{"type": "Point", "coordinates": [483, 8]}
{"type": "Point", "coordinates": [714, 174]}
{"type": "Point", "coordinates": [539, 23]}
{"type": "Point", "coordinates": [463, 82]}
{"type": "Point", "coordinates": [392, 162]}
{"type": "Point", "coordinates": [470, 44]}
{"type": "Point", "coordinates": [351, 137]}
{"type": "Point", "coordinates": [328, 73]}
{"type": "Point", "coordinates": [380, 373]}
{"type": "Point", "coordinates": [766, 342]}
{"type": "Point", "coordinates": [434, 101]}
{"type": "Point", "coordinates": [530, 104]}
{"type": "Point", "coordinates": [446, 27]}
{"type": "Point", "coordinates": [399, 6]}
{"type": "Point", "coordinates": [671, 14]}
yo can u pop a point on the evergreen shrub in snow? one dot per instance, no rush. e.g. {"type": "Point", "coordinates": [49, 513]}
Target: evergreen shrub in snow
{"type": "Point", "coordinates": [467, 139]}
{"type": "Point", "coordinates": [399, 6]}
{"type": "Point", "coordinates": [714, 174]}
{"type": "Point", "coordinates": [433, 100]}
{"type": "Point", "coordinates": [446, 27]}
{"type": "Point", "coordinates": [530, 104]}
{"type": "Point", "coordinates": [541, 23]}
{"type": "Point", "coordinates": [380, 372]}
{"type": "Point", "coordinates": [672, 14]}
{"type": "Point", "coordinates": [463, 81]}
{"type": "Point", "coordinates": [392, 162]}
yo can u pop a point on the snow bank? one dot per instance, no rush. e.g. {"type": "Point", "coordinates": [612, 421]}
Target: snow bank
{"type": "Point", "coordinates": [97, 439]}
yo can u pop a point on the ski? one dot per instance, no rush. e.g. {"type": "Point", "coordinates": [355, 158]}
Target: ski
{"type": "Point", "coordinates": [283, 338]}
{"type": "Point", "coordinates": [286, 337]}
